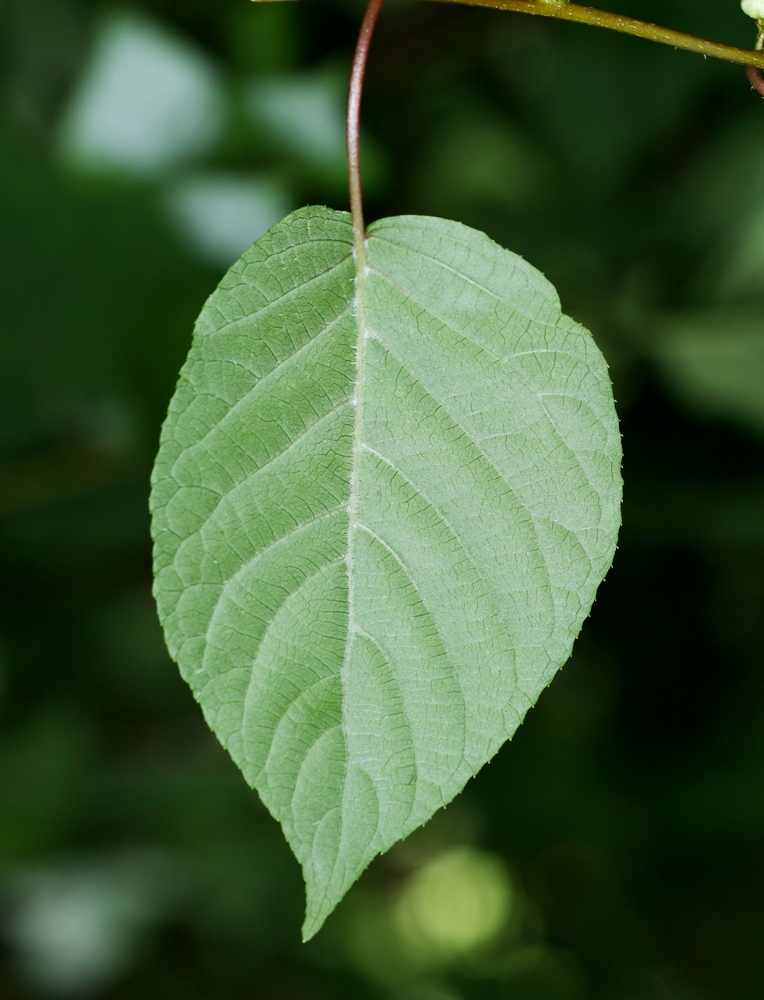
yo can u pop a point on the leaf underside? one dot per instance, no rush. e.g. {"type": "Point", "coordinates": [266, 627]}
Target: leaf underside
{"type": "Point", "coordinates": [381, 510]}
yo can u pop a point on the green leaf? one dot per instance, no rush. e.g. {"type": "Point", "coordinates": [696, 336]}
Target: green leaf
{"type": "Point", "coordinates": [381, 510]}
{"type": "Point", "coordinates": [714, 360]}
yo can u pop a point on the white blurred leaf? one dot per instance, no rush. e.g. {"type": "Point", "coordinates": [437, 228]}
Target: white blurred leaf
{"type": "Point", "coordinates": [147, 100]}
{"type": "Point", "coordinates": [75, 926]}
{"type": "Point", "coordinates": [221, 215]}
{"type": "Point", "coordinates": [304, 114]}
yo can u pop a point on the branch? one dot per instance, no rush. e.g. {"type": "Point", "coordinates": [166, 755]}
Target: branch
{"type": "Point", "coordinates": [564, 11]}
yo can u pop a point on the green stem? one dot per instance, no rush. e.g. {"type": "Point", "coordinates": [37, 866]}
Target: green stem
{"type": "Point", "coordinates": [564, 11]}
{"type": "Point", "coordinates": [627, 25]}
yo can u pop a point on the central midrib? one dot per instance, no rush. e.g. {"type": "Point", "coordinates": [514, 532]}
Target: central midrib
{"type": "Point", "coordinates": [359, 255]}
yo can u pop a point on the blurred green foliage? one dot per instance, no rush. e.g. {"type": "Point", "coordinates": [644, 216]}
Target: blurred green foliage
{"type": "Point", "coordinates": [614, 850]}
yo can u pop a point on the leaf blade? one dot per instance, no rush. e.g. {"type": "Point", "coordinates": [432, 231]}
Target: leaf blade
{"type": "Point", "coordinates": [382, 506]}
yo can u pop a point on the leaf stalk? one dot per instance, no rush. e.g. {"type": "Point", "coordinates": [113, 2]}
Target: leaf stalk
{"type": "Point", "coordinates": [354, 127]}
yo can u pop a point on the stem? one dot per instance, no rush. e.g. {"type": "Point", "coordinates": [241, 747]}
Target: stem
{"type": "Point", "coordinates": [565, 11]}
{"type": "Point", "coordinates": [754, 76]}
{"type": "Point", "coordinates": [353, 129]}
{"type": "Point", "coordinates": [627, 25]}
{"type": "Point", "coordinates": [755, 79]}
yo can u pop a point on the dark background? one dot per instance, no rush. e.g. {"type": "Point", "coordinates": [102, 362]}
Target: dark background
{"type": "Point", "coordinates": [621, 830]}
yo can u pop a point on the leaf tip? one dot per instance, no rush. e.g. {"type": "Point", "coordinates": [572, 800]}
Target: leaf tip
{"type": "Point", "coordinates": [315, 918]}
{"type": "Point", "coordinates": [309, 930]}
{"type": "Point", "coordinates": [319, 904]}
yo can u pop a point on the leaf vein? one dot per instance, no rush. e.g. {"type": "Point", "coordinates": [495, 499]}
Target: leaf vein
{"type": "Point", "coordinates": [274, 372]}
{"type": "Point", "coordinates": [412, 743]}
{"type": "Point", "coordinates": [272, 302]}
{"type": "Point", "coordinates": [407, 572]}
{"type": "Point", "coordinates": [465, 277]}
{"type": "Point", "coordinates": [476, 444]}
{"type": "Point", "coordinates": [251, 475]}
{"type": "Point", "coordinates": [258, 555]}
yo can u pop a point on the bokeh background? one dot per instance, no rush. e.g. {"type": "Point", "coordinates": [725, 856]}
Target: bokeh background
{"type": "Point", "coordinates": [615, 849]}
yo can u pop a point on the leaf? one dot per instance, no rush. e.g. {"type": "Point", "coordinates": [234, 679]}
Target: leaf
{"type": "Point", "coordinates": [379, 521]}
{"type": "Point", "coordinates": [714, 360]}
